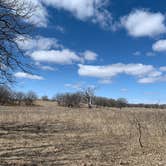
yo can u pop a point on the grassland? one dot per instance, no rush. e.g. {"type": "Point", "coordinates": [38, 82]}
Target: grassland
{"type": "Point", "coordinates": [52, 135]}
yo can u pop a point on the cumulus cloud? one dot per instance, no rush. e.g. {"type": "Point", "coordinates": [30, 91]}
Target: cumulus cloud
{"type": "Point", "coordinates": [144, 23]}
{"type": "Point", "coordinates": [28, 76]}
{"type": "Point", "coordinates": [44, 67]}
{"type": "Point", "coordinates": [28, 43]}
{"type": "Point", "coordinates": [143, 73]}
{"type": "Point", "coordinates": [44, 49]}
{"type": "Point", "coordinates": [159, 46]}
{"type": "Point", "coordinates": [93, 10]}
{"type": "Point", "coordinates": [90, 56]}
{"type": "Point", "coordinates": [163, 68]}
{"type": "Point", "coordinates": [147, 80]}
{"type": "Point", "coordinates": [64, 56]}
{"type": "Point", "coordinates": [85, 10]}
{"type": "Point", "coordinates": [47, 68]}
{"type": "Point", "coordinates": [115, 69]}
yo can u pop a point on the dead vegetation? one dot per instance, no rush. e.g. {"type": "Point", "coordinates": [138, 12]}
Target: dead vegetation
{"type": "Point", "coordinates": [53, 135]}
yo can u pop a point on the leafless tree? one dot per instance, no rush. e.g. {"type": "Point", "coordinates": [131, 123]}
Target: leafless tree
{"type": "Point", "coordinates": [89, 94]}
{"type": "Point", "coordinates": [30, 98]}
{"type": "Point", "coordinates": [69, 99]}
{"type": "Point", "coordinates": [14, 16]}
{"type": "Point", "coordinates": [19, 97]}
{"type": "Point", "coordinates": [122, 102]}
{"type": "Point", "coordinates": [5, 95]}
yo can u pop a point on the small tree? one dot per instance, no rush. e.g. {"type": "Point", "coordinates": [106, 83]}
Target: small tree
{"type": "Point", "coordinates": [89, 94]}
{"type": "Point", "coordinates": [122, 102]}
{"type": "Point", "coordinates": [30, 98]}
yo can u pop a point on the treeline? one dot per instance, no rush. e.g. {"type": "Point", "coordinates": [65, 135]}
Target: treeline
{"type": "Point", "coordinates": [78, 98]}
{"type": "Point", "coordinates": [10, 97]}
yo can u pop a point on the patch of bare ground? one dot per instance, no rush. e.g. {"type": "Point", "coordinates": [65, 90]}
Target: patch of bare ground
{"type": "Point", "coordinates": [51, 135]}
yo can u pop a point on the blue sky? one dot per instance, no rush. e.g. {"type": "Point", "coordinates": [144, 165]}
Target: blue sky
{"type": "Point", "coordinates": [119, 47]}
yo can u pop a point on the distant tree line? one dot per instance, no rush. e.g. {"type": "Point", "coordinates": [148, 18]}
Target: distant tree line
{"type": "Point", "coordinates": [10, 97]}
{"type": "Point", "coordinates": [78, 98]}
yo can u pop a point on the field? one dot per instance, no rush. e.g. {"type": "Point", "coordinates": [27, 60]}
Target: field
{"type": "Point", "coordinates": [51, 135]}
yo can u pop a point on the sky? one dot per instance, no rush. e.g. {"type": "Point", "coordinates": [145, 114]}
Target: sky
{"type": "Point", "coordinates": [118, 47]}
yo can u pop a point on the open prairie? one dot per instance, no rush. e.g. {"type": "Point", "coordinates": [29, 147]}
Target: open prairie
{"type": "Point", "coordinates": [53, 135]}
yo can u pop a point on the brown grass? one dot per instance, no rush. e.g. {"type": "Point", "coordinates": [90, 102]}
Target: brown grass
{"type": "Point", "coordinates": [52, 135]}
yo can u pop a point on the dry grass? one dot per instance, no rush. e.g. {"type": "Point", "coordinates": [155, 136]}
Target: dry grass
{"type": "Point", "coordinates": [52, 135]}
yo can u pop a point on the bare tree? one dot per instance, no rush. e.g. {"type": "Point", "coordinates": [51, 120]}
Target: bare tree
{"type": "Point", "coordinates": [30, 98]}
{"type": "Point", "coordinates": [5, 95]}
{"type": "Point", "coordinates": [122, 102]}
{"type": "Point", "coordinates": [19, 97]}
{"type": "Point", "coordinates": [89, 94]}
{"type": "Point", "coordinates": [69, 99]}
{"type": "Point", "coordinates": [14, 16]}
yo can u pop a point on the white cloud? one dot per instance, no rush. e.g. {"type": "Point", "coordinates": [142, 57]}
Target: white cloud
{"type": "Point", "coordinates": [163, 68]}
{"type": "Point", "coordinates": [89, 55]}
{"type": "Point", "coordinates": [85, 10]}
{"type": "Point", "coordinates": [47, 68]}
{"type": "Point", "coordinates": [44, 49]}
{"type": "Point", "coordinates": [106, 73]}
{"type": "Point", "coordinates": [115, 69]}
{"type": "Point", "coordinates": [159, 46]}
{"type": "Point", "coordinates": [147, 80]}
{"type": "Point", "coordinates": [28, 76]}
{"type": "Point", "coordinates": [44, 67]}
{"type": "Point", "coordinates": [64, 56]}
{"type": "Point", "coordinates": [94, 10]}
{"type": "Point", "coordinates": [144, 23]}
{"type": "Point", "coordinates": [37, 43]}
